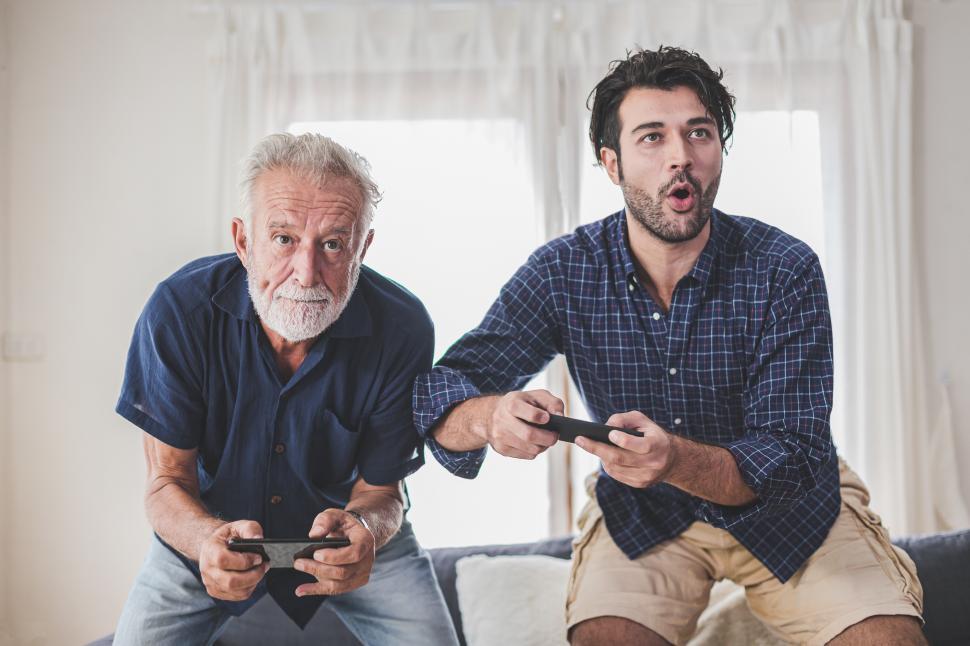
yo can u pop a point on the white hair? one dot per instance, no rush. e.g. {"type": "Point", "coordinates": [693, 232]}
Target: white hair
{"type": "Point", "coordinates": [312, 156]}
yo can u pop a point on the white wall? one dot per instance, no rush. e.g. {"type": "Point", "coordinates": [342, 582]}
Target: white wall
{"type": "Point", "coordinates": [4, 274]}
{"type": "Point", "coordinates": [107, 141]}
{"type": "Point", "coordinates": [942, 173]}
{"type": "Point", "coordinates": [106, 195]}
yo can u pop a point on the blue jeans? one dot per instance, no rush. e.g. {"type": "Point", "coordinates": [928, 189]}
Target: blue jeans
{"type": "Point", "coordinates": [400, 604]}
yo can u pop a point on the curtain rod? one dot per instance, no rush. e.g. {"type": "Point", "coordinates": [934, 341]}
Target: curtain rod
{"type": "Point", "coordinates": [326, 5]}
{"type": "Point", "coordinates": [321, 6]}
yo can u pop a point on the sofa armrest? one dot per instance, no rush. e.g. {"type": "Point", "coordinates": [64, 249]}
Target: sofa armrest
{"type": "Point", "coordinates": [943, 565]}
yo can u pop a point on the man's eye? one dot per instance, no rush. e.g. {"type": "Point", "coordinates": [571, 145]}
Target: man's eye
{"type": "Point", "coordinates": [651, 137]}
{"type": "Point", "coordinates": [333, 245]}
{"type": "Point", "coordinates": [282, 239]}
{"type": "Point", "coordinates": [701, 133]}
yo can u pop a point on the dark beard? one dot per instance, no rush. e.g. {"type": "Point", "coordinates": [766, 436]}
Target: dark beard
{"type": "Point", "coordinates": [648, 210]}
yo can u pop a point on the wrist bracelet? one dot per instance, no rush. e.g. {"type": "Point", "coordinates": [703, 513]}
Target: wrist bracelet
{"type": "Point", "coordinates": [360, 519]}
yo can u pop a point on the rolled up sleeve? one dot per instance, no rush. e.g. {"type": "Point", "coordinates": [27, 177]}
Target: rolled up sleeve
{"type": "Point", "coordinates": [436, 393]}
{"type": "Point", "coordinates": [514, 342]}
{"type": "Point", "coordinates": [788, 402]}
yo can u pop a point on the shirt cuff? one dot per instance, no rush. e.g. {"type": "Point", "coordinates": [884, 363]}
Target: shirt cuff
{"type": "Point", "coordinates": [388, 476]}
{"type": "Point", "coordinates": [773, 471]}
{"type": "Point", "coordinates": [435, 393]}
{"type": "Point", "coordinates": [148, 424]}
{"type": "Point", "coordinates": [464, 464]}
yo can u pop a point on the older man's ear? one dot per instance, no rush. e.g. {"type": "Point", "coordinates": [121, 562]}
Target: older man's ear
{"type": "Point", "coordinates": [239, 240]}
{"type": "Point", "coordinates": [367, 242]}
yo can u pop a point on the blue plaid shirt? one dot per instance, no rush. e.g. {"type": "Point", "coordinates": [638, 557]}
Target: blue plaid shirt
{"type": "Point", "coordinates": [742, 360]}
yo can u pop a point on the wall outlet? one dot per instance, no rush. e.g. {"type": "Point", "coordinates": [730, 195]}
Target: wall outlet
{"type": "Point", "coordinates": [23, 347]}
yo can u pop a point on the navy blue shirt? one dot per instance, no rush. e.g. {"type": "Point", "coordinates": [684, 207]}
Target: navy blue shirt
{"type": "Point", "coordinates": [742, 360]}
{"type": "Point", "coordinates": [201, 375]}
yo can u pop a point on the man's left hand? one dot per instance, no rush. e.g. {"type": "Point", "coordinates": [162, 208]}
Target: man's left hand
{"type": "Point", "coordinates": [635, 461]}
{"type": "Point", "coordinates": [342, 569]}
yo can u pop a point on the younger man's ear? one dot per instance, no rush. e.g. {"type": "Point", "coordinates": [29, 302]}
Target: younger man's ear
{"type": "Point", "coordinates": [611, 163]}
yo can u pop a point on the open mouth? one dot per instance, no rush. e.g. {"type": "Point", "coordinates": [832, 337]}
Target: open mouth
{"type": "Point", "coordinates": [681, 197]}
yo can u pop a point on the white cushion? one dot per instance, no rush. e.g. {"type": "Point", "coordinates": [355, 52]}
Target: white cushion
{"type": "Point", "coordinates": [521, 600]}
{"type": "Point", "coordinates": [512, 600]}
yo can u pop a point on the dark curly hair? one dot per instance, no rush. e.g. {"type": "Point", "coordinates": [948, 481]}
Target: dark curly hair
{"type": "Point", "coordinates": [665, 69]}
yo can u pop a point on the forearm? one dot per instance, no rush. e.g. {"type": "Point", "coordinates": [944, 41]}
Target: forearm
{"type": "Point", "coordinates": [179, 517]}
{"type": "Point", "coordinates": [383, 511]}
{"type": "Point", "coordinates": [464, 427]}
{"type": "Point", "coordinates": [708, 472]}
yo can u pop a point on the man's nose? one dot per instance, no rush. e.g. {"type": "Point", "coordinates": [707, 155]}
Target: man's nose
{"type": "Point", "coordinates": [679, 155]}
{"type": "Point", "coordinates": [305, 265]}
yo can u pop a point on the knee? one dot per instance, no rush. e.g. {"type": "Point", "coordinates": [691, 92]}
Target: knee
{"type": "Point", "coordinates": [896, 630]}
{"type": "Point", "coordinates": [613, 631]}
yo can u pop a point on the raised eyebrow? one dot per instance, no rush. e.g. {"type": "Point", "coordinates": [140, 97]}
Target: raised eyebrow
{"type": "Point", "coordinates": [339, 231]}
{"type": "Point", "coordinates": [651, 125]}
{"type": "Point", "coordinates": [698, 121]}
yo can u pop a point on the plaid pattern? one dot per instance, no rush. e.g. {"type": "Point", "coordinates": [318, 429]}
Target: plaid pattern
{"type": "Point", "coordinates": [742, 360]}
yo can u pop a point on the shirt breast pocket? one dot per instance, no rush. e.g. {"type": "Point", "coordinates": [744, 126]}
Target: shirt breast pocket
{"type": "Point", "coordinates": [332, 451]}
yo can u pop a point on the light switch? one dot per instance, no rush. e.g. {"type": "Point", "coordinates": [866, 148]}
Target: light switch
{"type": "Point", "coordinates": [23, 347]}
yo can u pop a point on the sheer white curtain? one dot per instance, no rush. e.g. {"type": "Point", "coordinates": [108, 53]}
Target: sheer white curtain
{"type": "Point", "coordinates": [848, 60]}
{"type": "Point", "coordinates": [259, 61]}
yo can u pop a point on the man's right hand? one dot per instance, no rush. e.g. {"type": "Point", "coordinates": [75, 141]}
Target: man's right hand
{"type": "Point", "coordinates": [509, 427]}
{"type": "Point", "coordinates": [228, 575]}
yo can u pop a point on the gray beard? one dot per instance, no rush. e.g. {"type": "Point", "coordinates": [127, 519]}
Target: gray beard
{"type": "Point", "coordinates": [299, 321]}
{"type": "Point", "coordinates": [648, 210]}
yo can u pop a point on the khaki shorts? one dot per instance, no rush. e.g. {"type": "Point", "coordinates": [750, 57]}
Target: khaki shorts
{"type": "Point", "coordinates": [855, 574]}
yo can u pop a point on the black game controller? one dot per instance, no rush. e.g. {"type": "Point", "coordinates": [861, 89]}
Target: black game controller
{"type": "Point", "coordinates": [569, 429]}
{"type": "Point", "coordinates": [281, 552]}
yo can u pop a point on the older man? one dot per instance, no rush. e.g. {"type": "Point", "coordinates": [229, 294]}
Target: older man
{"type": "Point", "coordinates": [273, 387]}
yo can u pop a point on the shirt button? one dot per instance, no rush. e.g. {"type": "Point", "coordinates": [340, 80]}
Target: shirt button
{"type": "Point", "coordinates": [656, 316]}
{"type": "Point", "coordinates": [279, 448]}
{"type": "Point", "coordinates": [677, 421]}
{"type": "Point", "coordinates": [276, 500]}
{"type": "Point", "coordinates": [631, 286]}
{"type": "Point", "coordinates": [673, 371]}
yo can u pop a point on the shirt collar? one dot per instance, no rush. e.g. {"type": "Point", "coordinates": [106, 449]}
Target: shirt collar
{"type": "Point", "coordinates": [701, 271]}
{"type": "Point", "coordinates": [355, 321]}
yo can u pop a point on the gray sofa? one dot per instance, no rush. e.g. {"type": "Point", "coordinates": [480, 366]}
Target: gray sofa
{"type": "Point", "coordinates": [943, 561]}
